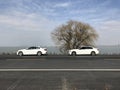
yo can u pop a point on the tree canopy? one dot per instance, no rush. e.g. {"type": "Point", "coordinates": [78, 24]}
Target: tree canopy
{"type": "Point", "coordinates": [73, 35]}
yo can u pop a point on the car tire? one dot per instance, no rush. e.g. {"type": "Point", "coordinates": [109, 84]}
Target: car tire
{"type": "Point", "coordinates": [93, 53]}
{"type": "Point", "coordinates": [39, 53]}
{"type": "Point", "coordinates": [20, 53]}
{"type": "Point", "coordinates": [73, 53]}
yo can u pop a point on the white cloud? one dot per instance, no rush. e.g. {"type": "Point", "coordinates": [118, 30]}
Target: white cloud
{"type": "Point", "coordinates": [109, 32]}
{"type": "Point", "coordinates": [110, 25]}
{"type": "Point", "coordinates": [25, 29]}
{"type": "Point", "coordinates": [83, 11]}
{"type": "Point", "coordinates": [65, 4]}
{"type": "Point", "coordinates": [25, 21]}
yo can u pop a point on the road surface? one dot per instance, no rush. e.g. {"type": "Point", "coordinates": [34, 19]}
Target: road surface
{"type": "Point", "coordinates": [60, 73]}
{"type": "Point", "coordinates": [60, 62]}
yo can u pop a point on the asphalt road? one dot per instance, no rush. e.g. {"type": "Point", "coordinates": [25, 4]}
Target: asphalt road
{"type": "Point", "coordinates": [39, 73]}
{"type": "Point", "coordinates": [60, 62]}
{"type": "Point", "coordinates": [59, 80]}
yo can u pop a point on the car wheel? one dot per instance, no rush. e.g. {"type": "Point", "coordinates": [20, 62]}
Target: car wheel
{"type": "Point", "coordinates": [93, 53]}
{"type": "Point", "coordinates": [20, 53]}
{"type": "Point", "coordinates": [73, 53]}
{"type": "Point", "coordinates": [39, 53]}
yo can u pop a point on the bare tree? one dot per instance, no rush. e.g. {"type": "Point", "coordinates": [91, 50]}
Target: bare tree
{"type": "Point", "coordinates": [73, 35]}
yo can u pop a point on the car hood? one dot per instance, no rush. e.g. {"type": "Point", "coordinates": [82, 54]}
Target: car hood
{"type": "Point", "coordinates": [21, 49]}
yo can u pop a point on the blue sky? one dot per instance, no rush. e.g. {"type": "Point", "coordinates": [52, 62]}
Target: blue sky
{"type": "Point", "coordinates": [30, 22]}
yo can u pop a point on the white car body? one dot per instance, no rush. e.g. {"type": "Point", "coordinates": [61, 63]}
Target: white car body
{"type": "Point", "coordinates": [86, 50]}
{"type": "Point", "coordinates": [32, 51]}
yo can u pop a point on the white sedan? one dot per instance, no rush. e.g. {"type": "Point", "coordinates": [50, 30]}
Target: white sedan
{"type": "Point", "coordinates": [86, 50]}
{"type": "Point", "coordinates": [32, 51]}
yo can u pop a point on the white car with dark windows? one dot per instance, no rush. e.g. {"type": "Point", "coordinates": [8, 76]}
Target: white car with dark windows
{"type": "Point", "coordinates": [32, 51]}
{"type": "Point", "coordinates": [85, 50]}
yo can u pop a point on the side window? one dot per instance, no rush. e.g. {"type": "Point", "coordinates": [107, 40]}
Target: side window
{"type": "Point", "coordinates": [88, 47]}
{"type": "Point", "coordinates": [37, 48]}
{"type": "Point", "coordinates": [83, 48]}
{"type": "Point", "coordinates": [91, 48]}
{"type": "Point", "coordinates": [32, 48]}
